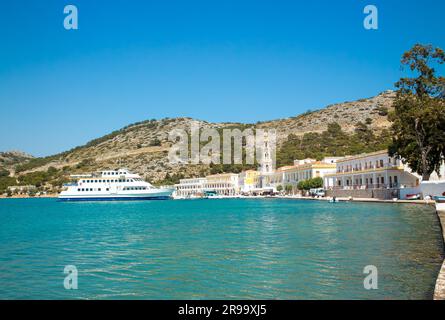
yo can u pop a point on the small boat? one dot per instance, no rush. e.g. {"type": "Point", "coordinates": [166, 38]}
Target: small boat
{"type": "Point", "coordinates": [415, 196]}
{"type": "Point", "coordinates": [440, 199]}
{"type": "Point", "coordinates": [333, 200]}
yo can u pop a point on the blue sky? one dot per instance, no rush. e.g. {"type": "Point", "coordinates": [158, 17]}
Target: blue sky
{"type": "Point", "coordinates": [214, 60]}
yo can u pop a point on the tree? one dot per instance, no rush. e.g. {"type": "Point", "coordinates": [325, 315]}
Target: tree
{"type": "Point", "coordinates": [279, 188]}
{"type": "Point", "coordinates": [302, 185]}
{"type": "Point", "coordinates": [315, 183]}
{"type": "Point", "coordinates": [288, 188]}
{"type": "Point", "coordinates": [419, 112]}
{"type": "Point", "coordinates": [310, 184]}
{"type": "Point", "coordinates": [4, 172]}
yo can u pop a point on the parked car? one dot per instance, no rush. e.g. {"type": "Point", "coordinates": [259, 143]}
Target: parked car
{"type": "Point", "coordinates": [318, 192]}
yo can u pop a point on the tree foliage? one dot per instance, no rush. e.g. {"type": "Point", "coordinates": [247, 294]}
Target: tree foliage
{"type": "Point", "coordinates": [310, 184]}
{"type": "Point", "coordinates": [419, 112]}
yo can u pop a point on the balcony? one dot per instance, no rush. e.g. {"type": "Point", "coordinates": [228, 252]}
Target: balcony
{"type": "Point", "coordinates": [373, 186]}
{"type": "Point", "coordinates": [369, 168]}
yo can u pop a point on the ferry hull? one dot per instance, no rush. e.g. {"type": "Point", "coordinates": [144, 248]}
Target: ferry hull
{"type": "Point", "coordinates": [72, 199]}
{"type": "Point", "coordinates": [112, 185]}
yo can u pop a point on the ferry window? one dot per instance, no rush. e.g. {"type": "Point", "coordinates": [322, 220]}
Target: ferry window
{"type": "Point", "coordinates": [99, 189]}
{"type": "Point", "coordinates": [108, 189]}
{"type": "Point", "coordinates": [78, 190]}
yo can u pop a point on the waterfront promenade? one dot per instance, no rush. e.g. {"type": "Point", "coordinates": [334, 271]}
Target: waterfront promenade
{"type": "Point", "coordinates": [439, 292]}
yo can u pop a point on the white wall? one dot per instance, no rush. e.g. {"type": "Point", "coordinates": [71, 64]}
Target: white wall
{"type": "Point", "coordinates": [432, 188]}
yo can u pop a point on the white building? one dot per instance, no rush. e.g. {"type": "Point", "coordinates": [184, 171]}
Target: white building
{"type": "Point", "coordinates": [371, 170]}
{"type": "Point", "coordinates": [190, 187]}
{"type": "Point", "coordinates": [223, 184]}
{"type": "Point", "coordinates": [372, 175]}
{"type": "Point", "coordinates": [436, 185]}
{"type": "Point", "coordinates": [277, 177]}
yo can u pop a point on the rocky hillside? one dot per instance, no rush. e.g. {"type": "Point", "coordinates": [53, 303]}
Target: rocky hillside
{"type": "Point", "coordinates": [143, 147]}
{"type": "Point", "coordinates": [9, 159]}
{"type": "Point", "coordinates": [372, 110]}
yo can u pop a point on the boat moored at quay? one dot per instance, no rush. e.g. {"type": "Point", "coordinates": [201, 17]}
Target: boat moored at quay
{"type": "Point", "coordinates": [112, 185]}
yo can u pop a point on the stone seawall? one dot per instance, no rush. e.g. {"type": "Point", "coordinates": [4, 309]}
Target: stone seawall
{"type": "Point", "coordinates": [439, 292]}
{"type": "Point", "coordinates": [381, 194]}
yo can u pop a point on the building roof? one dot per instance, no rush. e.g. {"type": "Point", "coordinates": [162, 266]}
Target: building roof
{"type": "Point", "coordinates": [362, 155]}
{"type": "Point", "coordinates": [312, 165]}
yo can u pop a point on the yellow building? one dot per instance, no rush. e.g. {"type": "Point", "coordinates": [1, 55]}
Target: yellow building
{"type": "Point", "coordinates": [307, 170]}
{"type": "Point", "coordinates": [249, 180]}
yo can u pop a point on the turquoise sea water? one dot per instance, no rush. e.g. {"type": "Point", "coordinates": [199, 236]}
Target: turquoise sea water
{"type": "Point", "coordinates": [217, 249]}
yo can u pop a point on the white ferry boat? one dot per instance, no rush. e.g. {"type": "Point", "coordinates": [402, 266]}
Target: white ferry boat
{"type": "Point", "coordinates": [111, 186]}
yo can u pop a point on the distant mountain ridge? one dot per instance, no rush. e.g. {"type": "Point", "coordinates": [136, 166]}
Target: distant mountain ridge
{"type": "Point", "coordinates": [143, 147]}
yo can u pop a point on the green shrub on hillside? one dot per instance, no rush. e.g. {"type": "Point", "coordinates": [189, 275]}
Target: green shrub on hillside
{"type": "Point", "coordinates": [6, 182]}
